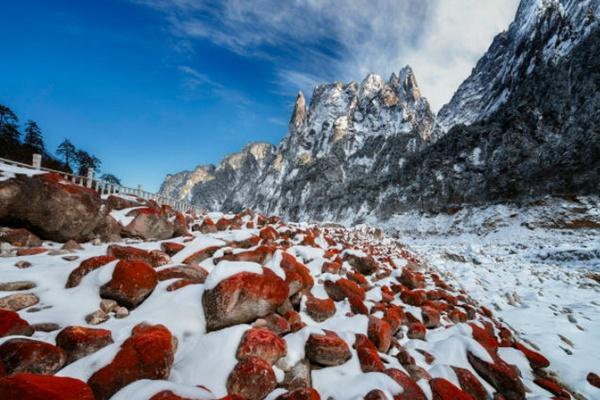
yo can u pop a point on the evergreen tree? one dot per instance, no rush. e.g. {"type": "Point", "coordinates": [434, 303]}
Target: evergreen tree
{"type": "Point", "coordinates": [110, 178]}
{"type": "Point", "coordinates": [87, 161]}
{"type": "Point", "coordinates": [9, 130]}
{"type": "Point", "coordinates": [33, 137]}
{"type": "Point", "coordinates": [68, 151]}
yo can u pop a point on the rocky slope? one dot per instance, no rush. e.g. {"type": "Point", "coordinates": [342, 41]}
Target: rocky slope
{"type": "Point", "coordinates": [249, 307]}
{"type": "Point", "coordinates": [543, 32]}
{"type": "Point", "coordinates": [377, 148]}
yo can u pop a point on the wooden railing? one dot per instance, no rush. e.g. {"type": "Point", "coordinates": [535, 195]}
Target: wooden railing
{"type": "Point", "coordinates": [104, 187]}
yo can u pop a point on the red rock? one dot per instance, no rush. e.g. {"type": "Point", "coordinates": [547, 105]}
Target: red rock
{"type": "Point", "coordinates": [119, 203]}
{"type": "Point", "coordinates": [268, 233]}
{"type": "Point", "coordinates": [343, 288]}
{"type": "Point", "coordinates": [416, 330]}
{"type": "Point", "coordinates": [147, 354]}
{"type": "Point", "coordinates": [201, 255]}
{"type": "Point", "coordinates": [243, 298]}
{"type": "Point", "coordinates": [331, 267]}
{"type": "Point", "coordinates": [431, 317]}
{"type": "Point", "coordinates": [443, 389]}
{"type": "Point", "coordinates": [553, 387]}
{"type": "Point", "coordinates": [367, 355]}
{"type": "Point", "coordinates": [274, 322]}
{"type": "Point", "coordinates": [192, 272]}
{"type": "Point", "coordinates": [500, 375]}
{"type": "Point", "coordinates": [260, 255]}
{"type": "Point", "coordinates": [357, 306]}
{"type": "Point", "coordinates": [223, 224]}
{"type": "Point", "coordinates": [12, 324]}
{"type": "Point", "coordinates": [32, 356]}
{"type": "Point", "coordinates": [414, 297]}
{"type": "Point", "coordinates": [412, 391]}
{"type": "Point", "coordinates": [263, 343]}
{"type": "Point", "coordinates": [485, 337]}
{"type": "Point", "coordinates": [155, 258]}
{"type": "Point", "coordinates": [320, 309]}
{"type": "Point", "coordinates": [32, 251]}
{"type": "Point", "coordinates": [42, 387]}
{"type": "Point", "coordinates": [21, 238]}
{"type": "Point", "coordinates": [328, 349]}
{"type": "Point", "coordinates": [181, 283]}
{"type": "Point", "coordinates": [180, 226]}
{"type": "Point", "coordinates": [375, 394]}
{"type": "Point", "coordinates": [358, 278]}
{"type": "Point", "coordinates": [380, 332]}
{"type": "Point", "coordinates": [171, 248]}
{"type": "Point", "coordinates": [131, 283]}
{"type": "Point", "coordinates": [470, 384]}
{"type": "Point", "coordinates": [168, 395]}
{"type": "Point", "coordinates": [297, 275]}
{"type": "Point", "coordinates": [294, 320]}
{"type": "Point", "coordinates": [412, 280]}
{"type": "Point", "coordinates": [86, 267]}
{"type": "Point", "coordinates": [208, 226]}
{"type": "Point", "coordinates": [246, 243]}
{"type": "Point", "coordinates": [365, 265]}
{"type": "Point", "coordinates": [593, 379]}
{"type": "Point", "coordinates": [394, 316]}
{"type": "Point", "coordinates": [300, 394]}
{"type": "Point", "coordinates": [535, 359]}
{"type": "Point", "coordinates": [457, 316]}
{"type": "Point", "coordinates": [78, 341]}
{"type": "Point", "coordinates": [252, 378]}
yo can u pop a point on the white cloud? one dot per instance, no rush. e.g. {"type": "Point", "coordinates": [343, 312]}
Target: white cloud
{"type": "Point", "coordinates": [316, 41]}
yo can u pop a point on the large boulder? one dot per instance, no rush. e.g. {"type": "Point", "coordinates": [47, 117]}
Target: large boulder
{"type": "Point", "coordinates": [79, 341]}
{"type": "Point", "coordinates": [132, 281]}
{"type": "Point", "coordinates": [31, 356]}
{"type": "Point", "coordinates": [243, 298]}
{"type": "Point", "coordinates": [263, 343]}
{"type": "Point", "coordinates": [42, 387]}
{"type": "Point", "coordinates": [149, 223]}
{"type": "Point", "coordinates": [328, 349]}
{"type": "Point", "coordinates": [252, 378]}
{"type": "Point", "coordinates": [50, 207]}
{"type": "Point", "coordinates": [12, 324]}
{"type": "Point", "coordinates": [147, 354]}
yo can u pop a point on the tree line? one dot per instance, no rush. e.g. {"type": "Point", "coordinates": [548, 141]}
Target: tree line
{"type": "Point", "coordinates": [20, 146]}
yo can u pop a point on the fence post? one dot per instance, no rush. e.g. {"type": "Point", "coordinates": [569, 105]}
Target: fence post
{"type": "Point", "coordinates": [139, 191]}
{"type": "Point", "coordinates": [90, 177]}
{"type": "Point", "coordinates": [37, 161]}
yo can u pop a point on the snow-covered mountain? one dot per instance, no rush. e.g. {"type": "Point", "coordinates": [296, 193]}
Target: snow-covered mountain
{"type": "Point", "coordinates": [376, 148]}
{"type": "Point", "coordinates": [543, 32]}
{"type": "Point", "coordinates": [348, 132]}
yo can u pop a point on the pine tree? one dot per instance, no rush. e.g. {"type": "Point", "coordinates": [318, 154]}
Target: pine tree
{"type": "Point", "coordinates": [9, 130]}
{"type": "Point", "coordinates": [87, 161]}
{"type": "Point", "coordinates": [68, 151]}
{"type": "Point", "coordinates": [33, 137]}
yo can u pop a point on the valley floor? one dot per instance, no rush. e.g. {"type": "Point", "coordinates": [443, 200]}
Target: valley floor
{"type": "Point", "coordinates": [537, 266]}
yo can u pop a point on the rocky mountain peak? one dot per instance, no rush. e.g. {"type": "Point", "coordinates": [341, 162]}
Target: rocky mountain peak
{"type": "Point", "coordinates": [299, 113]}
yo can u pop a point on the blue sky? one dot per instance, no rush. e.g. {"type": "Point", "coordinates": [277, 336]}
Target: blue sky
{"type": "Point", "coordinates": [158, 86]}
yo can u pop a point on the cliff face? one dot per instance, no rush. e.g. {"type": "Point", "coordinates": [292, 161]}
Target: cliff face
{"type": "Point", "coordinates": [543, 32]}
{"type": "Point", "coordinates": [376, 148]}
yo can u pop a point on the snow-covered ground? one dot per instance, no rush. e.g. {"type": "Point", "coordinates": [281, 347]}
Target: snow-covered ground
{"type": "Point", "coordinates": [536, 265]}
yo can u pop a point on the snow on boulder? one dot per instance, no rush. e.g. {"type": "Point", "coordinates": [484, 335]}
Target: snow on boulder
{"type": "Point", "coordinates": [31, 356]}
{"type": "Point", "coordinates": [131, 283]}
{"type": "Point", "coordinates": [237, 293]}
{"type": "Point", "coordinates": [252, 378]}
{"type": "Point", "coordinates": [12, 324]}
{"type": "Point", "coordinates": [263, 343]}
{"type": "Point", "coordinates": [79, 341]}
{"type": "Point", "coordinates": [54, 209]}
{"type": "Point", "coordinates": [41, 387]}
{"type": "Point", "coordinates": [327, 349]}
{"type": "Point", "coordinates": [147, 354]}
{"type": "Point", "coordinates": [87, 266]}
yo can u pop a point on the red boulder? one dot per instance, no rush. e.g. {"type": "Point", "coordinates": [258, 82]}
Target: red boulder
{"type": "Point", "coordinates": [252, 378]}
{"type": "Point", "coordinates": [78, 341]}
{"type": "Point", "coordinates": [42, 387]}
{"type": "Point", "coordinates": [263, 343]}
{"type": "Point", "coordinates": [12, 324]}
{"type": "Point", "coordinates": [32, 356]}
{"type": "Point", "coordinates": [328, 349]}
{"type": "Point", "coordinates": [131, 283]}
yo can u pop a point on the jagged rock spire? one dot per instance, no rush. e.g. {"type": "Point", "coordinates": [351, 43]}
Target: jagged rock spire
{"type": "Point", "coordinates": [299, 114]}
{"type": "Point", "coordinates": [409, 82]}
